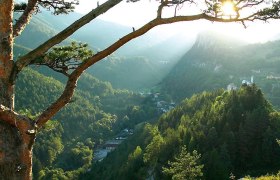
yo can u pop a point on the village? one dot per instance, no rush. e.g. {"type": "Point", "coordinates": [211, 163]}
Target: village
{"type": "Point", "coordinates": [102, 151]}
{"type": "Point", "coordinates": [162, 107]}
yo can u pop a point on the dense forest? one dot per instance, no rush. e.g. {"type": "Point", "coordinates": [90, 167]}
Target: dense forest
{"type": "Point", "coordinates": [65, 148]}
{"type": "Point", "coordinates": [223, 133]}
{"type": "Point", "coordinates": [217, 134]}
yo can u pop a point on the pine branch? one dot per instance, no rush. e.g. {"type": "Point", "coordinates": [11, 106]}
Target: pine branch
{"type": "Point", "coordinates": [59, 6]}
{"type": "Point", "coordinates": [42, 49]}
{"type": "Point", "coordinates": [65, 59]}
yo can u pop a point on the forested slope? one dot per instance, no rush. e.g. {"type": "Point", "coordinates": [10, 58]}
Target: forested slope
{"type": "Point", "coordinates": [215, 61]}
{"type": "Point", "coordinates": [97, 112]}
{"type": "Point", "coordinates": [234, 131]}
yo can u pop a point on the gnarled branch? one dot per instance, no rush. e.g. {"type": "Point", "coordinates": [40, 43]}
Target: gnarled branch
{"type": "Point", "coordinates": [7, 115]}
{"type": "Point", "coordinates": [60, 102]}
{"type": "Point", "coordinates": [22, 123]}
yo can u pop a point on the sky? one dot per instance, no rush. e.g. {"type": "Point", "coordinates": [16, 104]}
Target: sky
{"type": "Point", "coordinates": [137, 14]}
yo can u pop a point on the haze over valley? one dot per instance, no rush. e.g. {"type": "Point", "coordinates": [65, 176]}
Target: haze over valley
{"type": "Point", "coordinates": [204, 96]}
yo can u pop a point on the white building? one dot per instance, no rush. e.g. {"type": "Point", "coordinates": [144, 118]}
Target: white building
{"type": "Point", "coordinates": [245, 82]}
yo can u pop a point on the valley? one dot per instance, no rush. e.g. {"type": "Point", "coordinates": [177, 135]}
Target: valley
{"type": "Point", "coordinates": [166, 94]}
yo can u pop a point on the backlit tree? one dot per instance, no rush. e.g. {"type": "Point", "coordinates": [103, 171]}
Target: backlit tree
{"type": "Point", "coordinates": [18, 132]}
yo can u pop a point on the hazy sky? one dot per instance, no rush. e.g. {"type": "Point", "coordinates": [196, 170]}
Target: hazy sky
{"type": "Point", "coordinates": [137, 14]}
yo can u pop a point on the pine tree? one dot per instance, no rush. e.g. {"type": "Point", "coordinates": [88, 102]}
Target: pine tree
{"type": "Point", "coordinates": [185, 166]}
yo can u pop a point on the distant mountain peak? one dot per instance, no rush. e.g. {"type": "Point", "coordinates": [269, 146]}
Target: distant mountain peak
{"type": "Point", "coordinates": [212, 39]}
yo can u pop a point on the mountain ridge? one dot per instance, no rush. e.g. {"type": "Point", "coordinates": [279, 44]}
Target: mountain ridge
{"type": "Point", "coordinates": [218, 65]}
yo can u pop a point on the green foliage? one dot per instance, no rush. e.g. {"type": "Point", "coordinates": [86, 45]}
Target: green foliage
{"type": "Point", "coordinates": [136, 154]}
{"type": "Point", "coordinates": [63, 59]}
{"type": "Point", "coordinates": [75, 51]}
{"type": "Point", "coordinates": [234, 131]}
{"type": "Point", "coordinates": [184, 166]}
{"type": "Point", "coordinates": [56, 174]}
{"type": "Point", "coordinates": [64, 147]}
{"type": "Point", "coordinates": [266, 177]}
{"type": "Point", "coordinates": [153, 149]}
{"type": "Point", "coordinates": [48, 146]}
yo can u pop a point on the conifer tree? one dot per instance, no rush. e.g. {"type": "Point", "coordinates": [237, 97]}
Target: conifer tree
{"type": "Point", "coordinates": [185, 166]}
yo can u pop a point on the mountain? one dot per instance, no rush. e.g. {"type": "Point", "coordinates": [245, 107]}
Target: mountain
{"type": "Point", "coordinates": [141, 64]}
{"type": "Point", "coordinates": [234, 131]}
{"type": "Point", "coordinates": [216, 61]}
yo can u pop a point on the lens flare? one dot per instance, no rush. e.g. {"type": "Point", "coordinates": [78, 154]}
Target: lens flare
{"type": "Point", "coordinates": [228, 9]}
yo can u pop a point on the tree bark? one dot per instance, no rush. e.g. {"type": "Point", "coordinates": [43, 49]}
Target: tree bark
{"type": "Point", "coordinates": [15, 141]}
{"type": "Point", "coordinates": [6, 50]}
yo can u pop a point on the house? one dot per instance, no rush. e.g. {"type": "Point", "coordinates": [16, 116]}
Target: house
{"type": "Point", "coordinates": [112, 144]}
{"type": "Point", "coordinates": [245, 82]}
{"type": "Point", "coordinates": [111, 147]}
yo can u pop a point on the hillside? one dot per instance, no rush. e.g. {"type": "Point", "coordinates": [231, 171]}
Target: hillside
{"type": "Point", "coordinates": [97, 113]}
{"type": "Point", "coordinates": [216, 61]}
{"type": "Point", "coordinates": [234, 131]}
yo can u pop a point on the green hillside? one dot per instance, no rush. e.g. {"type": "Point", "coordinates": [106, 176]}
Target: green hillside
{"type": "Point", "coordinates": [96, 114]}
{"type": "Point", "coordinates": [234, 131]}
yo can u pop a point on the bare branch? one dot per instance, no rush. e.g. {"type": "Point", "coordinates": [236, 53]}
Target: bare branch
{"type": "Point", "coordinates": [160, 8]}
{"type": "Point", "coordinates": [39, 51]}
{"type": "Point", "coordinates": [250, 4]}
{"type": "Point", "coordinates": [60, 102]}
{"type": "Point", "coordinates": [24, 18]}
{"type": "Point", "coordinates": [169, 3]}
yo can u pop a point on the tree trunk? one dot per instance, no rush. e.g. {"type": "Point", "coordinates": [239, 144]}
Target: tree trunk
{"type": "Point", "coordinates": [16, 144]}
{"type": "Point", "coordinates": [15, 141]}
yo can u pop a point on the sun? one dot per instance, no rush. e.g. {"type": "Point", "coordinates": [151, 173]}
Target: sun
{"type": "Point", "coordinates": [228, 9]}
